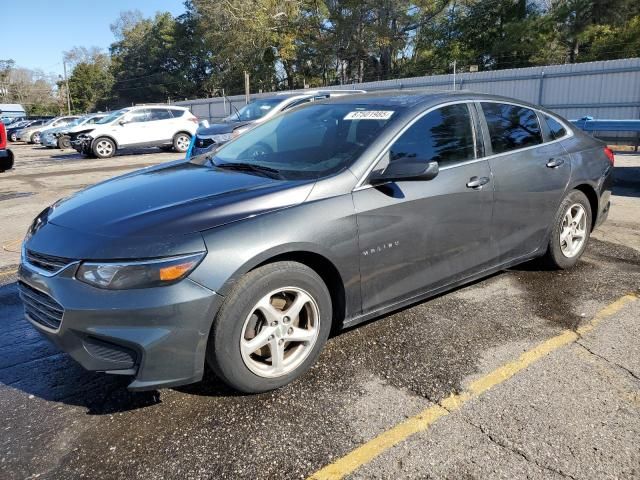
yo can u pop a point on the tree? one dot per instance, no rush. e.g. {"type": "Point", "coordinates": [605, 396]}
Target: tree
{"type": "Point", "coordinates": [90, 84]}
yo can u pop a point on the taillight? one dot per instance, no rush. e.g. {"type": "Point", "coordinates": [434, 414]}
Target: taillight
{"type": "Point", "coordinates": [193, 119]}
{"type": "Point", "coordinates": [3, 137]}
{"type": "Point", "coordinates": [609, 153]}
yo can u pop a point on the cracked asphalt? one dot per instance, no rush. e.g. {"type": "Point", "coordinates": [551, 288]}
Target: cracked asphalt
{"type": "Point", "coordinates": [573, 414]}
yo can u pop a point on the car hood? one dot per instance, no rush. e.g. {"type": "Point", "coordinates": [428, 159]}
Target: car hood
{"type": "Point", "coordinates": [219, 128]}
{"type": "Point", "coordinates": [178, 198]}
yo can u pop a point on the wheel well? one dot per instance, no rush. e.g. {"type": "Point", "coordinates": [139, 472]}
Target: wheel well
{"type": "Point", "coordinates": [592, 196]}
{"type": "Point", "coordinates": [182, 131]}
{"type": "Point", "coordinates": [329, 274]}
{"type": "Point", "coordinates": [104, 136]}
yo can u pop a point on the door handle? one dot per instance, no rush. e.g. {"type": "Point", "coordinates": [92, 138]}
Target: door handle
{"type": "Point", "coordinates": [555, 162]}
{"type": "Point", "coordinates": [477, 182]}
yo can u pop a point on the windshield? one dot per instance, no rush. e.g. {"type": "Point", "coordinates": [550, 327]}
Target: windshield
{"type": "Point", "coordinates": [75, 122]}
{"type": "Point", "coordinates": [111, 117]}
{"type": "Point", "coordinates": [308, 143]}
{"type": "Point", "coordinates": [254, 110]}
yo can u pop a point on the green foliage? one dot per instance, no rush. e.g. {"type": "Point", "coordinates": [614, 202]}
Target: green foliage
{"type": "Point", "coordinates": [287, 44]}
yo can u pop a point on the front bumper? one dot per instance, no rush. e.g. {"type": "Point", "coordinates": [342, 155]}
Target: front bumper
{"type": "Point", "coordinates": [48, 141]}
{"type": "Point", "coordinates": [158, 335]}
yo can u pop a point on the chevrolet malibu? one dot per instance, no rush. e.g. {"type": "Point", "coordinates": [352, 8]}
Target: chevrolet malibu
{"type": "Point", "coordinates": [246, 258]}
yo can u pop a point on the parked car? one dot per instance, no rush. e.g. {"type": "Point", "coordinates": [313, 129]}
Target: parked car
{"type": "Point", "coordinates": [6, 155]}
{"type": "Point", "coordinates": [12, 130]}
{"type": "Point", "coordinates": [321, 218]}
{"type": "Point", "coordinates": [48, 134]}
{"type": "Point", "coordinates": [31, 134]}
{"type": "Point", "coordinates": [164, 126]}
{"type": "Point", "coordinates": [258, 111]}
{"type": "Point", "coordinates": [60, 137]}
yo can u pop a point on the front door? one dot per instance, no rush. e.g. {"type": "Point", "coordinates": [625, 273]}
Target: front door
{"type": "Point", "coordinates": [421, 235]}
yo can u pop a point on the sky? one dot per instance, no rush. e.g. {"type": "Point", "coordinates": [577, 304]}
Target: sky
{"type": "Point", "coordinates": [35, 33]}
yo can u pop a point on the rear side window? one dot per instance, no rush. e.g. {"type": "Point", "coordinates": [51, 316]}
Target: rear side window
{"type": "Point", "coordinates": [556, 129]}
{"type": "Point", "coordinates": [159, 114]}
{"type": "Point", "coordinates": [444, 135]}
{"type": "Point", "coordinates": [177, 112]}
{"type": "Point", "coordinates": [511, 127]}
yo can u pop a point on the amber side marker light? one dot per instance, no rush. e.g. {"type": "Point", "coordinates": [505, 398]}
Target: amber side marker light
{"type": "Point", "coordinates": [174, 272]}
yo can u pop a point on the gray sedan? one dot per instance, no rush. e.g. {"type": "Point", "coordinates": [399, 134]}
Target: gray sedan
{"type": "Point", "coordinates": [318, 219]}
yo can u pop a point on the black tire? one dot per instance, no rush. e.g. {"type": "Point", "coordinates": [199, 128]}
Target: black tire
{"type": "Point", "coordinates": [555, 257]}
{"type": "Point", "coordinates": [181, 142]}
{"type": "Point", "coordinates": [64, 142]}
{"type": "Point", "coordinates": [223, 352]}
{"type": "Point", "coordinates": [13, 137]}
{"type": "Point", "coordinates": [35, 138]}
{"type": "Point", "coordinates": [103, 147]}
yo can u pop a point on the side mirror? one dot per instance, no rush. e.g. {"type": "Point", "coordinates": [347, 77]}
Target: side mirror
{"type": "Point", "coordinates": [123, 122]}
{"type": "Point", "coordinates": [405, 170]}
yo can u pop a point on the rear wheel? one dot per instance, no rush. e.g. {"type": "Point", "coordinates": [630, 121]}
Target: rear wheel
{"type": "Point", "coordinates": [35, 138]}
{"type": "Point", "coordinates": [181, 142]}
{"type": "Point", "coordinates": [271, 327]}
{"type": "Point", "coordinates": [571, 231]}
{"type": "Point", "coordinates": [104, 148]}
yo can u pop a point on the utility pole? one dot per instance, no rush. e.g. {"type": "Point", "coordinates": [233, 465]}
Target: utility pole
{"type": "Point", "coordinates": [246, 87]}
{"type": "Point", "coordinates": [454, 74]}
{"type": "Point", "coordinates": [66, 82]}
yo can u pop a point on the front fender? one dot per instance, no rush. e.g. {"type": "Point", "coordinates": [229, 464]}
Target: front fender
{"type": "Point", "coordinates": [326, 227]}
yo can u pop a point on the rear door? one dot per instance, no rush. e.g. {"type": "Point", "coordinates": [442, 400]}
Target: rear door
{"type": "Point", "coordinates": [421, 235]}
{"type": "Point", "coordinates": [161, 125]}
{"type": "Point", "coordinates": [530, 176]}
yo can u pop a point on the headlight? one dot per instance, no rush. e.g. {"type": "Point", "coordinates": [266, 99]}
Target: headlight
{"type": "Point", "coordinates": [221, 138]}
{"type": "Point", "coordinates": [139, 274]}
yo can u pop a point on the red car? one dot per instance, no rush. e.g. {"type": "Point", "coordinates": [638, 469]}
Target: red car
{"type": "Point", "coordinates": [6, 156]}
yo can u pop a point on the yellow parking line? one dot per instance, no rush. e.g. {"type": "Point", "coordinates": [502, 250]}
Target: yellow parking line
{"type": "Point", "coordinates": [367, 452]}
{"type": "Point", "coordinates": [11, 245]}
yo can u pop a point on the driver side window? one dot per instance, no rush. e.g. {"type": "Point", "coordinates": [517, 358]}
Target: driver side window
{"type": "Point", "coordinates": [444, 135]}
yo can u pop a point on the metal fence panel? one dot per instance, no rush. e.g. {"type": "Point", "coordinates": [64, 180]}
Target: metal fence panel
{"type": "Point", "coordinates": [605, 89]}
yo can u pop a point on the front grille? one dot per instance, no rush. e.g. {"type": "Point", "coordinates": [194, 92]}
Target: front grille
{"type": "Point", "coordinates": [40, 307]}
{"type": "Point", "coordinates": [48, 263]}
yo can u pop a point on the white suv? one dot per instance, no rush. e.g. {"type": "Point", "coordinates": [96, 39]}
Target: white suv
{"type": "Point", "coordinates": [163, 126]}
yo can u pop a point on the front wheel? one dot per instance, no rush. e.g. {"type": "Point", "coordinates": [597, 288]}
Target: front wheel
{"type": "Point", "coordinates": [181, 142]}
{"type": "Point", "coordinates": [271, 327]}
{"type": "Point", "coordinates": [104, 148]}
{"type": "Point", "coordinates": [64, 142]}
{"type": "Point", "coordinates": [13, 137]}
{"type": "Point", "coordinates": [571, 231]}
{"type": "Point", "coordinates": [35, 138]}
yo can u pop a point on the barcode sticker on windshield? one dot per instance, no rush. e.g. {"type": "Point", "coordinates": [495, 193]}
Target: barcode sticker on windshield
{"type": "Point", "coordinates": [369, 115]}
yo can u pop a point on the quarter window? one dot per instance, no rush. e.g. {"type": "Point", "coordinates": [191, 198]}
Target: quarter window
{"type": "Point", "coordinates": [556, 128]}
{"type": "Point", "coordinates": [511, 126]}
{"type": "Point", "coordinates": [444, 135]}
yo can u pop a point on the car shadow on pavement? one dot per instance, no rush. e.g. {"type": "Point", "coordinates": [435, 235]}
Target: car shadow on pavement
{"type": "Point", "coordinates": [626, 181]}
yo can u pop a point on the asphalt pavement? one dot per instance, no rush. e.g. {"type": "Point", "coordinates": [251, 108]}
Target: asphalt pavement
{"type": "Point", "coordinates": [572, 411]}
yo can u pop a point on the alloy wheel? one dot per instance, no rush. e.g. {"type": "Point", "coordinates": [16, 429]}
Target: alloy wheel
{"type": "Point", "coordinates": [182, 143]}
{"type": "Point", "coordinates": [573, 232]}
{"type": "Point", "coordinates": [280, 332]}
{"type": "Point", "coordinates": [104, 148]}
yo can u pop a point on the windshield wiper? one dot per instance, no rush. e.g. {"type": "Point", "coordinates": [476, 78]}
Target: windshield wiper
{"type": "Point", "coordinates": [248, 167]}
